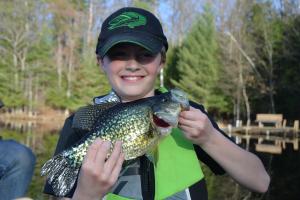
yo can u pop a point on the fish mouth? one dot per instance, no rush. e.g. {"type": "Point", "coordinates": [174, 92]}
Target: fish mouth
{"type": "Point", "coordinates": [163, 127]}
{"type": "Point", "coordinates": [166, 119]}
{"type": "Point", "coordinates": [160, 122]}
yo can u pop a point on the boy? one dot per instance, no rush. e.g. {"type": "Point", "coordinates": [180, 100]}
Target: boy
{"type": "Point", "coordinates": [131, 51]}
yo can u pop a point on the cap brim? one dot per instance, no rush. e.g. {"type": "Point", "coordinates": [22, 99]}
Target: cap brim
{"type": "Point", "coordinates": [148, 42]}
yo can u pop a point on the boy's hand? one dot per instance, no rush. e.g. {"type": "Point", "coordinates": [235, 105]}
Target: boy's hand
{"type": "Point", "coordinates": [237, 162]}
{"type": "Point", "coordinates": [98, 175]}
{"type": "Point", "coordinates": [196, 126]}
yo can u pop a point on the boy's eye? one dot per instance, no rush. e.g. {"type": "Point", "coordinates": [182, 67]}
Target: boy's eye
{"type": "Point", "coordinates": [145, 57]}
{"type": "Point", "coordinates": [142, 56]}
{"type": "Point", "coordinates": [117, 55]}
{"type": "Point", "coordinates": [147, 54]}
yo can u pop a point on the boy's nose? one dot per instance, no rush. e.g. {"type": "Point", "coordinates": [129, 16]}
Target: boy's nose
{"type": "Point", "coordinates": [132, 65]}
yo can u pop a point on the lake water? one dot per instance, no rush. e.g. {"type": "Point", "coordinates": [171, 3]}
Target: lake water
{"type": "Point", "coordinates": [283, 165]}
{"type": "Point", "coordinates": [281, 156]}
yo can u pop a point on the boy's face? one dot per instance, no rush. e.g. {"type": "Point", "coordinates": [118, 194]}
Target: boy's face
{"type": "Point", "coordinates": [131, 70]}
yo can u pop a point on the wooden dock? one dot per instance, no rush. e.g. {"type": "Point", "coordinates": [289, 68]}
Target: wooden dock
{"type": "Point", "coordinates": [270, 139]}
{"type": "Point", "coordinates": [253, 130]}
{"type": "Point", "coordinates": [275, 125]}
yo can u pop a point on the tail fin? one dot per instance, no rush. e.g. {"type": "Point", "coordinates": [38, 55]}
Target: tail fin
{"type": "Point", "coordinates": [60, 174]}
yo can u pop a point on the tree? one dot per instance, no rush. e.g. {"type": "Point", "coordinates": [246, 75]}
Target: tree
{"type": "Point", "coordinates": [237, 66]}
{"type": "Point", "coordinates": [198, 63]}
{"type": "Point", "coordinates": [265, 32]}
{"type": "Point", "coordinates": [287, 81]}
{"type": "Point", "coordinates": [18, 39]}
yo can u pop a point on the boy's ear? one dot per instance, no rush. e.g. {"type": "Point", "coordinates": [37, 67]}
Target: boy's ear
{"type": "Point", "coordinates": [162, 60]}
{"type": "Point", "coordinates": [99, 60]}
{"type": "Point", "coordinates": [100, 64]}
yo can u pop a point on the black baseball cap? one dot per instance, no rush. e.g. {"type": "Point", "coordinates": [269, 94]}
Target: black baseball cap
{"type": "Point", "coordinates": [133, 25]}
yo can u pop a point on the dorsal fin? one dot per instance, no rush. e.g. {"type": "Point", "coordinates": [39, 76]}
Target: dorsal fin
{"type": "Point", "coordinates": [86, 116]}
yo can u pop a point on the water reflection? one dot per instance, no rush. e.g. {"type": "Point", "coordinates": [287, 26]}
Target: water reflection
{"type": "Point", "coordinates": [279, 152]}
{"type": "Point", "coordinates": [20, 126]}
{"type": "Point", "coordinates": [267, 143]}
{"type": "Point", "coordinates": [281, 157]}
{"type": "Point", "coordinates": [40, 126]}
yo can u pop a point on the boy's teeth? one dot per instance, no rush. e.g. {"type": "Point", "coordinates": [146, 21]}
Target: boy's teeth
{"type": "Point", "coordinates": [132, 78]}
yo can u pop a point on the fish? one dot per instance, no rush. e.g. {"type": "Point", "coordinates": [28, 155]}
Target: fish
{"type": "Point", "coordinates": [139, 125]}
{"type": "Point", "coordinates": [130, 19]}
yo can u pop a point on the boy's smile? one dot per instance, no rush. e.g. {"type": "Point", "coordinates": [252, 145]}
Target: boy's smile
{"type": "Point", "coordinates": [131, 70]}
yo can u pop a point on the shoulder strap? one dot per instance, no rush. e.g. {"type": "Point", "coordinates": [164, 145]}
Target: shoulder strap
{"type": "Point", "coordinates": [147, 178]}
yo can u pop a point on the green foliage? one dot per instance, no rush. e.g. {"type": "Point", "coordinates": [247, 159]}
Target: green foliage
{"type": "Point", "coordinates": [10, 95]}
{"type": "Point", "coordinates": [264, 28]}
{"type": "Point", "coordinates": [90, 82]}
{"type": "Point", "coordinates": [39, 28]}
{"type": "Point", "coordinates": [198, 64]}
{"type": "Point", "coordinates": [287, 97]}
{"type": "Point", "coordinates": [171, 71]}
{"type": "Point", "coordinates": [87, 83]}
{"type": "Point", "coordinates": [265, 32]}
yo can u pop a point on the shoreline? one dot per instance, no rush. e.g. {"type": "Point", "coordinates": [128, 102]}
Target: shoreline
{"type": "Point", "coordinates": [42, 122]}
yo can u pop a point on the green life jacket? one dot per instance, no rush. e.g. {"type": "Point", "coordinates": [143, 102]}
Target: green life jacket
{"type": "Point", "coordinates": [177, 166]}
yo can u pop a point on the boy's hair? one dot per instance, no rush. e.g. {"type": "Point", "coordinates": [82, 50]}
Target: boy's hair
{"type": "Point", "coordinates": [131, 25]}
{"type": "Point", "coordinates": [163, 54]}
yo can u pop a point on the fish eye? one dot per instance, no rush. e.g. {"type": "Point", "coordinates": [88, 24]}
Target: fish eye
{"type": "Point", "coordinates": [178, 94]}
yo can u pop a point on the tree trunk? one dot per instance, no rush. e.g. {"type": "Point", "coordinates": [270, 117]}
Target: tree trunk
{"type": "Point", "coordinates": [70, 63]}
{"type": "Point", "coordinates": [59, 61]}
{"type": "Point", "coordinates": [271, 83]}
{"type": "Point", "coordinates": [243, 91]}
{"type": "Point", "coordinates": [69, 75]}
{"type": "Point", "coordinates": [238, 103]}
{"type": "Point", "coordinates": [90, 24]}
{"type": "Point", "coordinates": [15, 63]}
{"type": "Point", "coordinates": [234, 110]}
{"type": "Point", "coordinates": [36, 95]}
{"type": "Point", "coordinates": [30, 95]}
{"type": "Point", "coordinates": [271, 95]}
{"type": "Point", "coordinates": [23, 59]}
{"type": "Point", "coordinates": [246, 99]}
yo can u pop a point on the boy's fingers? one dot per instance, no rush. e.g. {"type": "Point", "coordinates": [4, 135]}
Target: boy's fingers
{"type": "Point", "coordinates": [190, 115]}
{"type": "Point", "coordinates": [102, 152]}
{"type": "Point", "coordinates": [190, 132]}
{"type": "Point", "coordinates": [92, 151]}
{"type": "Point", "coordinates": [113, 159]}
{"type": "Point", "coordinates": [185, 122]}
{"type": "Point", "coordinates": [193, 114]}
{"type": "Point", "coordinates": [118, 166]}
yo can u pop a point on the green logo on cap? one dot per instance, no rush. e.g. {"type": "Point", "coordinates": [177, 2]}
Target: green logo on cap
{"type": "Point", "coordinates": [130, 19]}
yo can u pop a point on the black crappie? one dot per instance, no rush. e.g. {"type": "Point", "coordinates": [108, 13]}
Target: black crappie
{"type": "Point", "coordinates": [138, 124]}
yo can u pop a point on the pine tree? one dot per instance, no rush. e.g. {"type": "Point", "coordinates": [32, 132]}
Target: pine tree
{"type": "Point", "coordinates": [198, 64]}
